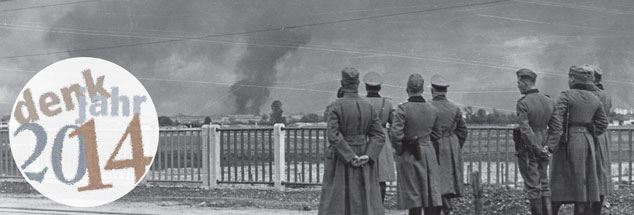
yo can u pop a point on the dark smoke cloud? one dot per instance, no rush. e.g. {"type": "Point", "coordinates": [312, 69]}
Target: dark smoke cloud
{"type": "Point", "coordinates": [257, 66]}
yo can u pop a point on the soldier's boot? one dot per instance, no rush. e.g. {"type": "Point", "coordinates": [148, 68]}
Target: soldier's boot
{"type": "Point", "coordinates": [580, 208]}
{"type": "Point", "coordinates": [596, 207]}
{"type": "Point", "coordinates": [536, 206]}
{"type": "Point", "coordinates": [415, 211]}
{"type": "Point", "coordinates": [446, 205]}
{"type": "Point", "coordinates": [547, 206]}
{"type": "Point", "coordinates": [555, 207]}
{"type": "Point", "coordinates": [383, 186]}
{"type": "Point", "coordinates": [432, 210]}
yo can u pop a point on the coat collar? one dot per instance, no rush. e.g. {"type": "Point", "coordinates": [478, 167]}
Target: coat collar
{"type": "Point", "coordinates": [347, 94]}
{"type": "Point", "coordinates": [600, 86]}
{"type": "Point", "coordinates": [531, 91]}
{"type": "Point", "coordinates": [440, 98]}
{"type": "Point", "coordinates": [373, 94]}
{"type": "Point", "coordinates": [416, 99]}
{"type": "Point", "coordinates": [583, 86]}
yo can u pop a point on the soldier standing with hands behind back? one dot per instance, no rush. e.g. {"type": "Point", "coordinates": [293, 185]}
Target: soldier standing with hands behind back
{"type": "Point", "coordinates": [449, 146]}
{"type": "Point", "coordinates": [414, 127]}
{"type": "Point", "coordinates": [539, 130]}
{"type": "Point", "coordinates": [350, 183]}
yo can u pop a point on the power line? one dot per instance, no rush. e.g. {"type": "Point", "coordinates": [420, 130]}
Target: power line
{"type": "Point", "coordinates": [257, 31]}
{"type": "Point", "coordinates": [579, 7]}
{"type": "Point", "coordinates": [48, 5]}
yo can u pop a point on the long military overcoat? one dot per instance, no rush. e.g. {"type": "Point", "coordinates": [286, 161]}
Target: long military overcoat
{"type": "Point", "coordinates": [603, 149]}
{"type": "Point", "coordinates": [449, 146]}
{"type": "Point", "coordinates": [353, 130]}
{"type": "Point", "coordinates": [418, 181]}
{"type": "Point", "coordinates": [384, 107]}
{"type": "Point", "coordinates": [574, 170]}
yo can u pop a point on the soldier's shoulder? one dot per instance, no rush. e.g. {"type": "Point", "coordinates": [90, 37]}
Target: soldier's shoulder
{"type": "Point", "coordinates": [521, 99]}
{"type": "Point", "coordinates": [402, 104]}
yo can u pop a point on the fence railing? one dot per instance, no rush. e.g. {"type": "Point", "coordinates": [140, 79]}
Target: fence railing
{"type": "Point", "coordinates": [246, 155]}
{"type": "Point", "coordinates": [295, 156]}
{"type": "Point", "coordinates": [179, 157]}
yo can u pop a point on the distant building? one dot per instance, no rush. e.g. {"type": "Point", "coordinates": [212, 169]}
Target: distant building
{"type": "Point", "coordinates": [4, 125]}
{"type": "Point", "coordinates": [628, 121]}
{"type": "Point", "coordinates": [244, 118]}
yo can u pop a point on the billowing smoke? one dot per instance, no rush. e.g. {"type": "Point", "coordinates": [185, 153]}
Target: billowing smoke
{"type": "Point", "coordinates": [257, 67]}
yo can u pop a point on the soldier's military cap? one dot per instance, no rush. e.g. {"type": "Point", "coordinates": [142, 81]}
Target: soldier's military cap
{"type": "Point", "coordinates": [597, 73]}
{"type": "Point", "coordinates": [526, 73]}
{"type": "Point", "coordinates": [597, 70]}
{"type": "Point", "coordinates": [373, 79]}
{"type": "Point", "coordinates": [585, 72]}
{"type": "Point", "coordinates": [415, 82]}
{"type": "Point", "coordinates": [349, 76]}
{"type": "Point", "coordinates": [439, 82]}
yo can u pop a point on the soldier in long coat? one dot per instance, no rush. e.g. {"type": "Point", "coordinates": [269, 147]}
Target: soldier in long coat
{"type": "Point", "coordinates": [538, 129]}
{"type": "Point", "coordinates": [414, 127]}
{"type": "Point", "coordinates": [602, 147]}
{"type": "Point", "coordinates": [350, 183]}
{"type": "Point", "coordinates": [384, 108]}
{"type": "Point", "coordinates": [574, 170]}
{"type": "Point", "coordinates": [449, 147]}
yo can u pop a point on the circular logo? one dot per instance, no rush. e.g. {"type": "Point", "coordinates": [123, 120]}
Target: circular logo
{"type": "Point", "coordinates": [84, 132]}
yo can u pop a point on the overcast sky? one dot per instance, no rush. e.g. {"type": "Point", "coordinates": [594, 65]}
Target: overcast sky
{"type": "Point", "coordinates": [189, 53]}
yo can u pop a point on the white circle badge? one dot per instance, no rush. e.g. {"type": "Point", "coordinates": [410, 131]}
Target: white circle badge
{"type": "Point", "coordinates": [84, 132]}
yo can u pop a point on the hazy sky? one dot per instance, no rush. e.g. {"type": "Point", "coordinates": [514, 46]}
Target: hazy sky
{"type": "Point", "coordinates": [478, 47]}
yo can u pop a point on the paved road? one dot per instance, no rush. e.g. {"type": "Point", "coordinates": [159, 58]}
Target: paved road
{"type": "Point", "coordinates": [37, 204]}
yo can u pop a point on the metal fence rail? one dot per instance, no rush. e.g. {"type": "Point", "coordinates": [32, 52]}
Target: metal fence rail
{"type": "Point", "coordinates": [178, 158]}
{"type": "Point", "coordinates": [246, 155]}
{"type": "Point", "coordinates": [8, 168]}
{"type": "Point", "coordinates": [305, 155]}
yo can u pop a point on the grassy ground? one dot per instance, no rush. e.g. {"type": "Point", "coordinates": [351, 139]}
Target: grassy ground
{"type": "Point", "coordinates": [496, 199]}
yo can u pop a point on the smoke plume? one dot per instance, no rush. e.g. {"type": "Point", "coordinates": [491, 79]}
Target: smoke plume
{"type": "Point", "coordinates": [257, 67]}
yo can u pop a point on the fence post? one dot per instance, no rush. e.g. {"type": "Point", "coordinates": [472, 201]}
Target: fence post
{"type": "Point", "coordinates": [279, 152]}
{"type": "Point", "coordinates": [204, 136]}
{"type": "Point", "coordinates": [477, 192]}
{"type": "Point", "coordinates": [214, 159]}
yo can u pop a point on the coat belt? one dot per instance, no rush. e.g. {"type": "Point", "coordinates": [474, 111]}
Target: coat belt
{"type": "Point", "coordinates": [447, 133]}
{"type": "Point", "coordinates": [356, 140]}
{"type": "Point", "coordinates": [424, 140]}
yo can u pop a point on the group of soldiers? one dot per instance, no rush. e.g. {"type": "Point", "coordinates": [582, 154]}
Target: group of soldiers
{"type": "Point", "coordinates": [570, 135]}
{"type": "Point", "coordinates": [368, 136]}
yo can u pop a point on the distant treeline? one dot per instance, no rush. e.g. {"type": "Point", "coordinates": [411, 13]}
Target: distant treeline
{"type": "Point", "coordinates": [471, 116]}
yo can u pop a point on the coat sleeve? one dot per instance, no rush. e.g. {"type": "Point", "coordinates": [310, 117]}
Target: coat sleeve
{"type": "Point", "coordinates": [390, 116]}
{"type": "Point", "coordinates": [561, 108]}
{"type": "Point", "coordinates": [461, 129]}
{"type": "Point", "coordinates": [528, 135]}
{"type": "Point", "coordinates": [600, 121]}
{"type": "Point", "coordinates": [377, 138]}
{"type": "Point", "coordinates": [335, 138]}
{"type": "Point", "coordinates": [436, 130]}
{"type": "Point", "coordinates": [397, 129]}
{"type": "Point", "coordinates": [554, 129]}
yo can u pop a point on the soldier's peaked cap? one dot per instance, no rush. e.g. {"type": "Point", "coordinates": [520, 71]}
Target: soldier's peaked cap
{"type": "Point", "coordinates": [438, 81]}
{"type": "Point", "coordinates": [526, 73]}
{"type": "Point", "coordinates": [415, 82]}
{"type": "Point", "coordinates": [349, 76]}
{"type": "Point", "coordinates": [584, 71]}
{"type": "Point", "coordinates": [373, 79]}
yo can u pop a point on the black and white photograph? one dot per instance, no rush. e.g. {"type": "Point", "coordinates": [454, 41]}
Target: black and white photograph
{"type": "Point", "coordinates": [317, 107]}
